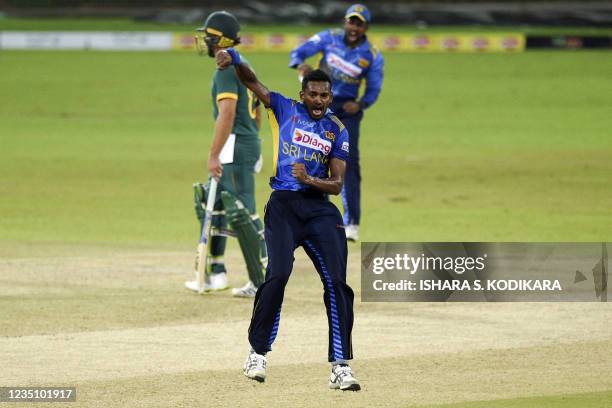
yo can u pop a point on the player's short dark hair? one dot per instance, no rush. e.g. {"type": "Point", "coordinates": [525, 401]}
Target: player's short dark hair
{"type": "Point", "coordinates": [315, 76]}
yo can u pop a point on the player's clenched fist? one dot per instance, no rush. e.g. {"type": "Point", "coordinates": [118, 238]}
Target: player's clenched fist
{"type": "Point", "coordinates": [223, 58]}
{"type": "Point", "coordinates": [298, 170]}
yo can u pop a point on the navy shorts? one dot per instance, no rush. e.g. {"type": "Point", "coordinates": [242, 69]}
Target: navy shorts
{"type": "Point", "coordinates": [309, 220]}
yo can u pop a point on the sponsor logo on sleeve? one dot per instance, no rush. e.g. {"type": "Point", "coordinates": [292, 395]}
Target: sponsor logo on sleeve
{"type": "Point", "coordinates": [301, 122]}
{"type": "Point", "coordinates": [345, 146]}
{"type": "Point", "coordinates": [315, 38]}
{"type": "Point", "coordinates": [311, 140]}
{"type": "Point", "coordinates": [364, 63]}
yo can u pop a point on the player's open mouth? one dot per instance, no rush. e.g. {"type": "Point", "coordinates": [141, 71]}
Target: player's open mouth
{"type": "Point", "coordinates": [317, 111]}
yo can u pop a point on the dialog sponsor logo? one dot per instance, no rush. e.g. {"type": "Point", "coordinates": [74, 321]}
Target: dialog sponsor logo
{"type": "Point", "coordinates": [345, 67]}
{"type": "Point", "coordinates": [312, 140]}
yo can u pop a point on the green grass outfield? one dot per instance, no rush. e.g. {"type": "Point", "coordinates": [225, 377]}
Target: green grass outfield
{"type": "Point", "coordinates": [98, 151]}
{"type": "Point", "coordinates": [103, 147]}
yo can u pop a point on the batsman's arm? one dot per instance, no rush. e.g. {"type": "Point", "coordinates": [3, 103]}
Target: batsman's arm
{"type": "Point", "coordinates": [228, 57]}
{"type": "Point", "coordinates": [223, 128]}
{"type": "Point", "coordinates": [258, 117]}
{"type": "Point", "coordinates": [331, 185]}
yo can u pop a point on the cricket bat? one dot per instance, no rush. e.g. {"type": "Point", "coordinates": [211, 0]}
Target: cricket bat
{"type": "Point", "coordinates": [204, 236]}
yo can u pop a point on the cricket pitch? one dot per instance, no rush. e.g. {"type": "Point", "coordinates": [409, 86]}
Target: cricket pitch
{"type": "Point", "coordinates": [118, 325]}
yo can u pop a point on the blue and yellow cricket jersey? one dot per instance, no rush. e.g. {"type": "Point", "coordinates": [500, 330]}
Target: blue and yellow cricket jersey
{"type": "Point", "coordinates": [297, 138]}
{"type": "Point", "coordinates": [347, 66]}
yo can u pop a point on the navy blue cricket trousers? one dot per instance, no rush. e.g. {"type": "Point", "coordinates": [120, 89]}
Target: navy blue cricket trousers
{"type": "Point", "coordinates": [351, 192]}
{"type": "Point", "coordinates": [310, 220]}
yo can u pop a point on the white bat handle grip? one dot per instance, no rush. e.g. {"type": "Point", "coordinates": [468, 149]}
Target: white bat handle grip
{"type": "Point", "coordinates": [212, 194]}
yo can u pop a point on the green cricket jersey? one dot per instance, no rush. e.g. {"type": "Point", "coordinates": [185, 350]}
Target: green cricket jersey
{"type": "Point", "coordinates": [227, 85]}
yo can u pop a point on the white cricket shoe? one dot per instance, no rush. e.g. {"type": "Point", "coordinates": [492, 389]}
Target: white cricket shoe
{"type": "Point", "coordinates": [214, 282]}
{"type": "Point", "coordinates": [342, 378]}
{"type": "Point", "coordinates": [192, 285]}
{"type": "Point", "coordinates": [352, 232]}
{"type": "Point", "coordinates": [247, 291]}
{"type": "Point", "coordinates": [255, 367]}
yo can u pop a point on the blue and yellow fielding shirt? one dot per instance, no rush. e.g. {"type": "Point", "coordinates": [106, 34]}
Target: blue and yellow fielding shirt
{"type": "Point", "coordinates": [297, 138]}
{"type": "Point", "coordinates": [347, 66]}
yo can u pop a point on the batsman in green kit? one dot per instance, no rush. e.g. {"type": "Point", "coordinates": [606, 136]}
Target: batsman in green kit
{"type": "Point", "coordinates": [233, 158]}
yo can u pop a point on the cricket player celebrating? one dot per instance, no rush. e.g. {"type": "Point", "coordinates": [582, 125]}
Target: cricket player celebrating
{"type": "Point", "coordinates": [348, 58]}
{"type": "Point", "coordinates": [235, 110]}
{"type": "Point", "coordinates": [310, 151]}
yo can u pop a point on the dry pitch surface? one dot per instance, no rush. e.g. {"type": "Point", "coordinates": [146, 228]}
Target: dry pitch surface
{"type": "Point", "coordinates": [117, 324]}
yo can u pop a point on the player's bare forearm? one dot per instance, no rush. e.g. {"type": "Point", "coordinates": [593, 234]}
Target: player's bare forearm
{"type": "Point", "coordinates": [328, 186]}
{"type": "Point", "coordinates": [258, 117]}
{"type": "Point", "coordinates": [245, 74]}
{"type": "Point", "coordinates": [249, 79]}
{"type": "Point", "coordinates": [223, 124]}
{"type": "Point", "coordinates": [331, 185]}
{"type": "Point", "coordinates": [223, 128]}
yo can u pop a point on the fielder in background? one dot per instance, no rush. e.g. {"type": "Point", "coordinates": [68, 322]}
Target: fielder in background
{"type": "Point", "coordinates": [236, 113]}
{"type": "Point", "coordinates": [349, 59]}
{"type": "Point", "coordinates": [310, 151]}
